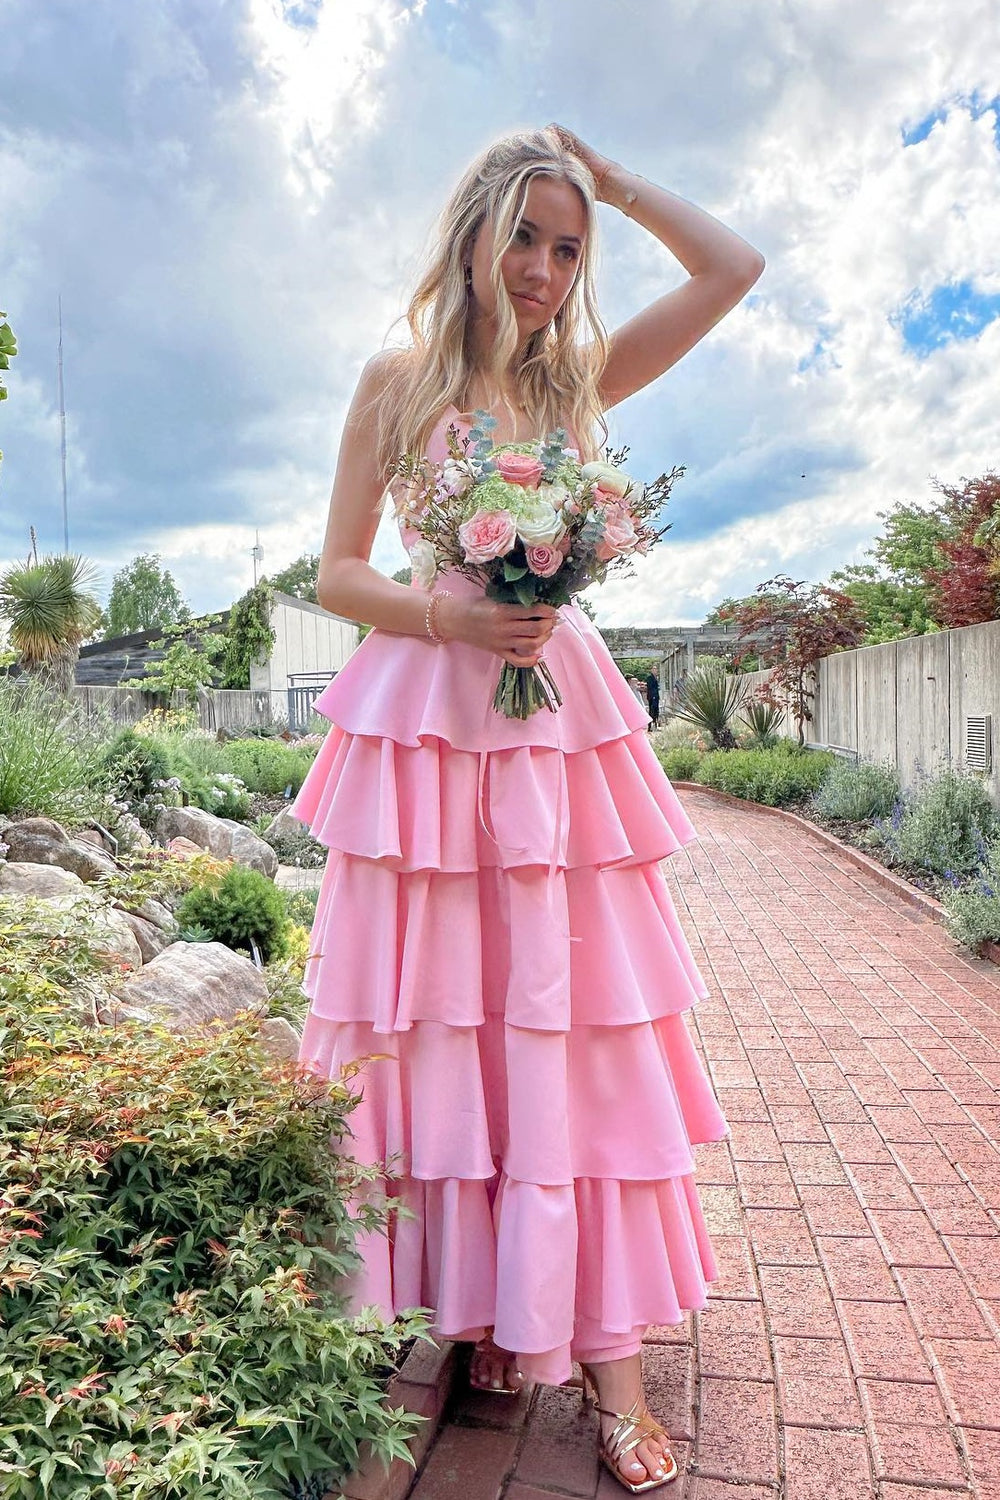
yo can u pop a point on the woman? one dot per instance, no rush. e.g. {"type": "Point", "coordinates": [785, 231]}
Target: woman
{"type": "Point", "coordinates": [493, 931]}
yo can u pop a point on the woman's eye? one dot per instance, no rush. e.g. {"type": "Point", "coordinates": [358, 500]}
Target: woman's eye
{"type": "Point", "coordinates": [522, 237]}
{"type": "Point", "coordinates": [568, 252]}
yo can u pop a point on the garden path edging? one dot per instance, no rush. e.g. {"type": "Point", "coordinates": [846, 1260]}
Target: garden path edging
{"type": "Point", "coordinates": [422, 1385]}
{"type": "Point", "coordinates": [930, 905]}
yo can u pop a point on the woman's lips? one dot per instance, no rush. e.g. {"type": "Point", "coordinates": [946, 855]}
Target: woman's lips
{"type": "Point", "coordinates": [530, 298]}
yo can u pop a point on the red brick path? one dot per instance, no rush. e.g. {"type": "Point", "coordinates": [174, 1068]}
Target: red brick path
{"type": "Point", "coordinates": [852, 1346]}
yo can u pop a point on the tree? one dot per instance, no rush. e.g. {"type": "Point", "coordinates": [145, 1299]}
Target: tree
{"type": "Point", "coordinates": [965, 588]}
{"type": "Point", "coordinates": [191, 652]}
{"type": "Point", "coordinates": [250, 634]}
{"type": "Point", "coordinates": [890, 609]}
{"type": "Point", "coordinates": [299, 579]}
{"type": "Point", "coordinates": [144, 596]}
{"type": "Point", "coordinates": [51, 611]}
{"type": "Point", "coordinates": [8, 349]}
{"type": "Point", "coordinates": [801, 625]}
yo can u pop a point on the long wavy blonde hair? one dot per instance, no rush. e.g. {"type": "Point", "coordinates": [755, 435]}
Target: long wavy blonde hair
{"type": "Point", "coordinates": [553, 375]}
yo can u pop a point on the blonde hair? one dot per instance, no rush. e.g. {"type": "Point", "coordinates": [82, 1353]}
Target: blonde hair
{"type": "Point", "coordinates": [554, 376]}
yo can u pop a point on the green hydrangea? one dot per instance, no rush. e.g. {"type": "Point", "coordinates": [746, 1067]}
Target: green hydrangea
{"type": "Point", "coordinates": [495, 493]}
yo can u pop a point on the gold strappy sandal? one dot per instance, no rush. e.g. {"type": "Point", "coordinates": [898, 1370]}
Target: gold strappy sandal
{"type": "Point", "coordinates": [631, 1428]}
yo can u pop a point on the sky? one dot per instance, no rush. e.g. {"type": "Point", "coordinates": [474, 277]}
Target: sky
{"type": "Point", "coordinates": [234, 198]}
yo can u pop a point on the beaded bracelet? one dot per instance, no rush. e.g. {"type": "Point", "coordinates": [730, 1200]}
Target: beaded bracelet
{"type": "Point", "coordinates": [430, 619]}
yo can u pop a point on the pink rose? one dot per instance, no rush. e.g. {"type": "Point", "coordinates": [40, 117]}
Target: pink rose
{"type": "Point", "coordinates": [605, 497]}
{"type": "Point", "coordinates": [520, 468]}
{"type": "Point", "coordinates": [619, 534]}
{"type": "Point", "coordinates": [487, 534]}
{"type": "Point", "coordinates": [544, 560]}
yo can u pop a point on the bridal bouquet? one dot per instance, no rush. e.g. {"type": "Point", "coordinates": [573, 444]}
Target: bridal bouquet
{"type": "Point", "coordinates": [530, 522]}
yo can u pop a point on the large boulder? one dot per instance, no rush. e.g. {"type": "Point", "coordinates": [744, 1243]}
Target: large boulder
{"type": "Point", "coordinates": [223, 837]}
{"type": "Point", "coordinates": [285, 825]}
{"type": "Point", "coordinates": [109, 930]}
{"type": "Point", "coordinates": [280, 1039]}
{"type": "Point", "coordinates": [42, 841]}
{"type": "Point", "coordinates": [190, 984]}
{"type": "Point", "coordinates": [151, 939]}
{"type": "Point", "coordinates": [47, 882]}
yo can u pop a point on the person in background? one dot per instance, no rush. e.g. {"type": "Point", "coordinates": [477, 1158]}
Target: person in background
{"type": "Point", "coordinates": [653, 696]}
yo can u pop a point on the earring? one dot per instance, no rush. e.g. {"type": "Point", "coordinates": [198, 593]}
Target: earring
{"type": "Point", "coordinates": [468, 278]}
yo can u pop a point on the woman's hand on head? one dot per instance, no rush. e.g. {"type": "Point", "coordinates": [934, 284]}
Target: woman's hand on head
{"type": "Point", "coordinates": [515, 632]}
{"type": "Point", "coordinates": [597, 163]}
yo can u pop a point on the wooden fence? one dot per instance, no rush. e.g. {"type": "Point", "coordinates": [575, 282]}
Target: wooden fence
{"type": "Point", "coordinates": [217, 708]}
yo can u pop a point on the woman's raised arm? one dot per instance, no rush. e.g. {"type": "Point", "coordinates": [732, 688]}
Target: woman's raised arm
{"type": "Point", "coordinates": [721, 267]}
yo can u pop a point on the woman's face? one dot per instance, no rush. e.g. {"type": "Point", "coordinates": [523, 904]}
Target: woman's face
{"type": "Point", "coordinates": [541, 264]}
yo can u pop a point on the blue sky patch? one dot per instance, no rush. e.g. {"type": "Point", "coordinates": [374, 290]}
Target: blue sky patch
{"type": "Point", "coordinates": [923, 128]}
{"type": "Point", "coordinates": [955, 310]}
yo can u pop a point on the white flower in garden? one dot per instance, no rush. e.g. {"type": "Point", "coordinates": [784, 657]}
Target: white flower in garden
{"type": "Point", "coordinates": [423, 564]}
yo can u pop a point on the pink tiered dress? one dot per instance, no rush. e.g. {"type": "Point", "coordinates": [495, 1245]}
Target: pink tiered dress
{"type": "Point", "coordinates": [494, 932]}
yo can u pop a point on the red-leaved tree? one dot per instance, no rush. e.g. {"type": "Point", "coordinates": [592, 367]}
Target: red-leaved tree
{"type": "Point", "coordinates": [965, 590]}
{"type": "Point", "coordinates": [793, 627]}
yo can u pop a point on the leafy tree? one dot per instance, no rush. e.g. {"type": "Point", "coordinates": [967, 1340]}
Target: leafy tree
{"type": "Point", "coordinates": [801, 625]}
{"type": "Point", "coordinates": [144, 596]}
{"type": "Point", "coordinates": [299, 578]}
{"type": "Point", "coordinates": [250, 634]}
{"type": "Point", "coordinates": [191, 653]}
{"type": "Point", "coordinates": [8, 349]}
{"type": "Point", "coordinates": [891, 609]}
{"type": "Point", "coordinates": [403, 575]}
{"type": "Point", "coordinates": [51, 611]}
{"type": "Point", "coordinates": [965, 588]}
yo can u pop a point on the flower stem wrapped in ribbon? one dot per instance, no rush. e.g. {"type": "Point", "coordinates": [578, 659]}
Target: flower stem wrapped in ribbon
{"type": "Point", "coordinates": [531, 523]}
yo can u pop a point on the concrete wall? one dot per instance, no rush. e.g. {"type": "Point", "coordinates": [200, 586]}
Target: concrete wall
{"type": "Point", "coordinates": [307, 639]}
{"type": "Point", "coordinates": [908, 701]}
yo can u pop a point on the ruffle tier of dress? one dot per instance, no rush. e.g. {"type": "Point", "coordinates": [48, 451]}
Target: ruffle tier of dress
{"type": "Point", "coordinates": [494, 933]}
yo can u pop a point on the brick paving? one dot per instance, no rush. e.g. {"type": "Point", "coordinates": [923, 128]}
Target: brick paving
{"type": "Point", "coordinates": [852, 1345]}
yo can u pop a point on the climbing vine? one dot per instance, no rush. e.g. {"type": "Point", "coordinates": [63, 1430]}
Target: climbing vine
{"type": "Point", "coordinates": [250, 635]}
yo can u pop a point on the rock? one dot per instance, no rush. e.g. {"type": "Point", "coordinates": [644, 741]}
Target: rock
{"type": "Point", "coordinates": [223, 837]}
{"type": "Point", "coordinates": [41, 841]}
{"type": "Point", "coordinates": [250, 849]}
{"type": "Point", "coordinates": [280, 1039]}
{"type": "Point", "coordinates": [151, 939]}
{"type": "Point", "coordinates": [109, 931]}
{"type": "Point", "coordinates": [47, 882]}
{"type": "Point", "coordinates": [285, 826]}
{"type": "Point", "coordinates": [95, 837]}
{"type": "Point", "coordinates": [190, 984]}
{"type": "Point", "coordinates": [155, 912]}
{"type": "Point", "coordinates": [183, 848]}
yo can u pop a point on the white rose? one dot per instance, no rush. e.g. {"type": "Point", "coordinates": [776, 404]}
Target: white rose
{"type": "Point", "coordinates": [423, 564]}
{"type": "Point", "coordinates": [615, 481]}
{"type": "Point", "coordinates": [539, 524]}
{"type": "Point", "coordinates": [555, 495]}
{"type": "Point", "coordinates": [456, 476]}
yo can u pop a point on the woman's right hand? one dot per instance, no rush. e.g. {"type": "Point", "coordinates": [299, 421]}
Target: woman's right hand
{"type": "Point", "coordinates": [514, 632]}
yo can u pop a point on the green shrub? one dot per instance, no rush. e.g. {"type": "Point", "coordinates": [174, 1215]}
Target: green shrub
{"type": "Point", "coordinates": [857, 791]}
{"type": "Point", "coordinates": [944, 826]}
{"type": "Point", "coordinates": [763, 720]}
{"type": "Point", "coordinates": [298, 848]}
{"type": "Point", "coordinates": [300, 906]}
{"type": "Point", "coordinates": [244, 910]}
{"type": "Point", "coordinates": [268, 766]}
{"type": "Point", "coordinates": [777, 778]}
{"type": "Point", "coordinates": [681, 762]}
{"type": "Point", "coordinates": [172, 1223]}
{"type": "Point", "coordinates": [972, 907]}
{"type": "Point", "coordinates": [49, 754]}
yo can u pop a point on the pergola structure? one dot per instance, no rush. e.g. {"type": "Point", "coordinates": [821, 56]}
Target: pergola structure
{"type": "Point", "coordinates": [673, 649]}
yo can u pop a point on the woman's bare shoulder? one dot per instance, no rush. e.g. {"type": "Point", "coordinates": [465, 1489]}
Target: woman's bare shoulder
{"type": "Point", "coordinates": [385, 369]}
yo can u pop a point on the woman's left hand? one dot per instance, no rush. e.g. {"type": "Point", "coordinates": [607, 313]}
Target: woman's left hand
{"type": "Point", "coordinates": [597, 163]}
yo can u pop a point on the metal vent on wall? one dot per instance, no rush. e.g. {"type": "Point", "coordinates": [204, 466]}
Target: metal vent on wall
{"type": "Point", "coordinates": [979, 742]}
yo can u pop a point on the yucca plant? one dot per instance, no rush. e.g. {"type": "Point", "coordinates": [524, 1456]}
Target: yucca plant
{"type": "Point", "coordinates": [710, 699]}
{"type": "Point", "coordinates": [763, 720]}
{"type": "Point", "coordinates": [51, 613]}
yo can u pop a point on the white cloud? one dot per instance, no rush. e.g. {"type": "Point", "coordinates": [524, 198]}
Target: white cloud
{"type": "Point", "coordinates": [234, 205]}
